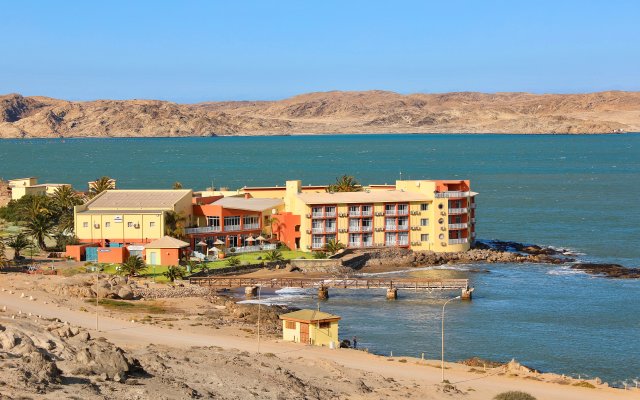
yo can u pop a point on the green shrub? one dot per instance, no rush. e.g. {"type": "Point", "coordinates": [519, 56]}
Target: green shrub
{"type": "Point", "coordinates": [233, 261]}
{"type": "Point", "coordinates": [514, 395]}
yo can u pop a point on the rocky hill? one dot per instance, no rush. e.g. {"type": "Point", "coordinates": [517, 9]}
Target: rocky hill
{"type": "Point", "coordinates": [325, 112]}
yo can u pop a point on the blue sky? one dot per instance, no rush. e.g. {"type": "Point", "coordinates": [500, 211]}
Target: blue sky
{"type": "Point", "coordinates": [190, 51]}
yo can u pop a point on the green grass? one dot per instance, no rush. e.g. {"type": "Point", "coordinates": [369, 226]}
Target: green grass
{"type": "Point", "coordinates": [252, 258]}
{"type": "Point", "coordinates": [151, 272]}
{"type": "Point", "coordinates": [121, 305]}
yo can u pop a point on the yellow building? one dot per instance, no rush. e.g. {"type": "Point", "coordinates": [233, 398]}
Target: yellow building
{"type": "Point", "coordinates": [310, 327]}
{"type": "Point", "coordinates": [436, 215]}
{"type": "Point", "coordinates": [29, 186]}
{"type": "Point", "coordinates": [129, 216]}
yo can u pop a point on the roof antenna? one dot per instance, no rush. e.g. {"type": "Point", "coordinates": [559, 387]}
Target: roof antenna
{"type": "Point", "coordinates": [400, 175]}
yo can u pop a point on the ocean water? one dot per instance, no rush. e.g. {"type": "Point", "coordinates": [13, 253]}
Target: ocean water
{"type": "Point", "coordinates": [575, 192]}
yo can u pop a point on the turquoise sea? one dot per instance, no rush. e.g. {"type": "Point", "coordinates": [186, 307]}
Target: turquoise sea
{"type": "Point", "coordinates": [575, 192]}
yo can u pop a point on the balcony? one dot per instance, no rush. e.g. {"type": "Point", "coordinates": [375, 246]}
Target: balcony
{"type": "Point", "coordinates": [367, 213]}
{"type": "Point", "coordinates": [458, 241]}
{"type": "Point", "coordinates": [403, 212]}
{"type": "Point", "coordinates": [356, 245]}
{"type": "Point", "coordinates": [355, 214]}
{"type": "Point", "coordinates": [394, 243]}
{"type": "Point", "coordinates": [330, 214]}
{"type": "Point", "coordinates": [390, 213]}
{"type": "Point", "coordinates": [360, 228]}
{"type": "Point", "coordinates": [231, 228]}
{"type": "Point", "coordinates": [473, 206]}
{"type": "Point", "coordinates": [473, 220]}
{"type": "Point", "coordinates": [454, 211]}
{"type": "Point", "coordinates": [317, 245]}
{"type": "Point", "coordinates": [251, 226]}
{"type": "Point", "coordinates": [458, 226]}
{"type": "Point", "coordinates": [451, 194]}
{"type": "Point", "coordinates": [317, 230]}
{"type": "Point", "coordinates": [204, 229]}
{"type": "Point", "coordinates": [330, 229]}
{"type": "Point", "coordinates": [317, 215]}
{"type": "Point", "coordinates": [250, 249]}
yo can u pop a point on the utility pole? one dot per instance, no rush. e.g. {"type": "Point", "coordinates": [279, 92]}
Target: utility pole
{"type": "Point", "coordinates": [259, 290]}
{"type": "Point", "coordinates": [442, 361]}
{"type": "Point", "coordinates": [97, 297]}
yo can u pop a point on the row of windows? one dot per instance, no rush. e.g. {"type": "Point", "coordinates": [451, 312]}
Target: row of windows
{"type": "Point", "coordinates": [364, 209]}
{"type": "Point", "coordinates": [129, 224]}
{"type": "Point", "coordinates": [234, 220]}
{"type": "Point", "coordinates": [292, 325]}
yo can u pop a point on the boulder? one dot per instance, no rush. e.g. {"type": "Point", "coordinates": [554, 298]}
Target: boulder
{"type": "Point", "coordinates": [125, 293]}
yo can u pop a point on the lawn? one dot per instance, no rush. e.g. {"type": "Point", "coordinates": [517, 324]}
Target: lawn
{"type": "Point", "coordinates": [252, 258]}
{"type": "Point", "coordinates": [156, 272]}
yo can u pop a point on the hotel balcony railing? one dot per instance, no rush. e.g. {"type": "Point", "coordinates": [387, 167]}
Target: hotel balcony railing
{"type": "Point", "coordinates": [360, 228]}
{"type": "Point", "coordinates": [360, 244]}
{"type": "Point", "coordinates": [355, 213]}
{"type": "Point", "coordinates": [396, 227]}
{"type": "Point", "coordinates": [397, 243]}
{"type": "Point", "coordinates": [317, 230]}
{"type": "Point", "coordinates": [473, 220]}
{"type": "Point", "coordinates": [458, 226]}
{"type": "Point", "coordinates": [231, 228]}
{"type": "Point", "coordinates": [458, 241]}
{"type": "Point", "coordinates": [458, 210]}
{"type": "Point", "coordinates": [204, 229]}
{"type": "Point", "coordinates": [250, 249]}
{"type": "Point", "coordinates": [367, 213]}
{"type": "Point", "coordinates": [317, 215]}
{"type": "Point", "coordinates": [473, 205]}
{"type": "Point", "coordinates": [403, 212]}
{"type": "Point", "coordinates": [251, 226]}
{"type": "Point", "coordinates": [450, 194]}
{"type": "Point", "coordinates": [390, 212]}
{"type": "Point", "coordinates": [330, 229]}
{"type": "Point", "coordinates": [317, 245]}
{"type": "Point", "coordinates": [330, 214]}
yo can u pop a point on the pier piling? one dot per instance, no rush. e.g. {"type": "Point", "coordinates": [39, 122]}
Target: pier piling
{"type": "Point", "coordinates": [251, 291]}
{"type": "Point", "coordinates": [323, 293]}
{"type": "Point", "coordinates": [466, 293]}
{"type": "Point", "coordinates": [392, 294]}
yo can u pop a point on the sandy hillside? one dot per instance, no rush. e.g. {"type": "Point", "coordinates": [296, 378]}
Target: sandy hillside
{"type": "Point", "coordinates": [325, 112]}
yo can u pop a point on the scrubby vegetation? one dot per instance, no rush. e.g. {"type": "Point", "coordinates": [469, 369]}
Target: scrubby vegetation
{"type": "Point", "coordinates": [514, 395]}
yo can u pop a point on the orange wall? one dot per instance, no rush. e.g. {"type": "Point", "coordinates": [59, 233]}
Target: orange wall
{"type": "Point", "coordinates": [112, 255]}
{"type": "Point", "coordinates": [284, 230]}
{"type": "Point", "coordinates": [77, 251]}
{"type": "Point", "coordinates": [169, 256]}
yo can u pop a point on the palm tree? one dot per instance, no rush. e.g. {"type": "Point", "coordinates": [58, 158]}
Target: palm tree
{"type": "Point", "coordinates": [177, 185]}
{"type": "Point", "coordinates": [174, 224]}
{"type": "Point", "coordinates": [345, 183]}
{"type": "Point", "coordinates": [333, 246]}
{"type": "Point", "coordinates": [318, 255]}
{"type": "Point", "coordinates": [100, 185]}
{"type": "Point", "coordinates": [172, 273]}
{"type": "Point", "coordinates": [274, 255]}
{"type": "Point", "coordinates": [4, 261]}
{"type": "Point", "coordinates": [133, 266]}
{"type": "Point", "coordinates": [40, 227]}
{"type": "Point", "coordinates": [233, 261]}
{"type": "Point", "coordinates": [269, 221]}
{"type": "Point", "coordinates": [18, 243]}
{"type": "Point", "coordinates": [65, 199]}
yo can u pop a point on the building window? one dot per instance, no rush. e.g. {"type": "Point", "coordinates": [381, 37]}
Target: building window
{"type": "Point", "coordinates": [107, 224]}
{"type": "Point", "coordinates": [85, 224]}
{"type": "Point", "coordinates": [251, 222]}
{"type": "Point", "coordinates": [232, 223]}
{"type": "Point", "coordinates": [213, 221]}
{"type": "Point", "coordinates": [424, 237]}
{"type": "Point", "coordinates": [152, 224]}
{"type": "Point", "coordinates": [297, 228]}
{"type": "Point", "coordinates": [129, 224]}
{"type": "Point", "coordinates": [424, 222]}
{"type": "Point", "coordinates": [290, 324]}
{"type": "Point", "coordinates": [424, 207]}
{"type": "Point", "coordinates": [324, 325]}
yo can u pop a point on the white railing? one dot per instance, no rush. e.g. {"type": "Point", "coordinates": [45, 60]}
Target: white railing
{"type": "Point", "coordinates": [473, 220]}
{"type": "Point", "coordinates": [391, 227]}
{"type": "Point", "coordinates": [390, 212]}
{"type": "Point", "coordinates": [204, 229]}
{"type": "Point", "coordinates": [251, 249]}
{"type": "Point", "coordinates": [251, 226]}
{"type": "Point", "coordinates": [390, 243]}
{"type": "Point", "coordinates": [458, 226]}
{"type": "Point", "coordinates": [330, 229]}
{"type": "Point", "coordinates": [355, 244]}
{"type": "Point", "coordinates": [317, 245]}
{"type": "Point", "coordinates": [473, 205]}
{"type": "Point", "coordinates": [330, 214]}
{"type": "Point", "coordinates": [403, 227]}
{"type": "Point", "coordinates": [231, 228]}
{"type": "Point", "coordinates": [403, 212]}
{"type": "Point", "coordinates": [355, 213]}
{"type": "Point", "coordinates": [317, 230]}
{"type": "Point", "coordinates": [458, 210]}
{"type": "Point", "coordinates": [360, 228]}
{"type": "Point", "coordinates": [458, 241]}
{"type": "Point", "coordinates": [317, 215]}
{"type": "Point", "coordinates": [366, 213]}
{"type": "Point", "coordinates": [403, 242]}
{"type": "Point", "coordinates": [450, 194]}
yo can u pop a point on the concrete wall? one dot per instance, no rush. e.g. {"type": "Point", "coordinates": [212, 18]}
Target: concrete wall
{"type": "Point", "coordinates": [112, 255]}
{"type": "Point", "coordinates": [317, 336]}
{"type": "Point", "coordinates": [309, 265]}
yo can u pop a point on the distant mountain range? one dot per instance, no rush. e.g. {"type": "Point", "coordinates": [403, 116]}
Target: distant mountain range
{"type": "Point", "coordinates": [324, 113]}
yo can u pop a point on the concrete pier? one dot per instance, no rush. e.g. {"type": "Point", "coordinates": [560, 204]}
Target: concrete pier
{"type": "Point", "coordinates": [392, 294]}
{"type": "Point", "coordinates": [251, 291]}
{"type": "Point", "coordinates": [466, 293]}
{"type": "Point", "coordinates": [323, 293]}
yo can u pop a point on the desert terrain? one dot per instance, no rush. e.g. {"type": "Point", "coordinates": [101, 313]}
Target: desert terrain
{"type": "Point", "coordinates": [325, 113]}
{"type": "Point", "coordinates": [206, 346]}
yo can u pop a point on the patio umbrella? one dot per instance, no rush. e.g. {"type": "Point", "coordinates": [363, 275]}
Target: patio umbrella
{"type": "Point", "coordinates": [260, 238]}
{"type": "Point", "coordinates": [250, 239]}
{"type": "Point", "coordinates": [218, 242]}
{"type": "Point", "coordinates": [201, 243]}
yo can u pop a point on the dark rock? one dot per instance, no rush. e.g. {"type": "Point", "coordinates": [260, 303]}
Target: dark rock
{"type": "Point", "coordinates": [608, 270]}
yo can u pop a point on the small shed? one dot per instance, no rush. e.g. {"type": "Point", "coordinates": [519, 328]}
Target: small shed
{"type": "Point", "coordinates": [310, 327]}
{"type": "Point", "coordinates": [165, 251]}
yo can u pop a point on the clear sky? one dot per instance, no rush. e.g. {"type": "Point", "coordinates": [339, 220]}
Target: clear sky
{"type": "Point", "coordinates": [190, 51]}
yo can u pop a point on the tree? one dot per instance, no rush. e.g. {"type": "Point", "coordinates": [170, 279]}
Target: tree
{"type": "Point", "coordinates": [274, 255]}
{"type": "Point", "coordinates": [269, 221]}
{"type": "Point", "coordinates": [233, 261]}
{"type": "Point", "coordinates": [100, 185]}
{"type": "Point", "coordinates": [4, 261]}
{"type": "Point", "coordinates": [177, 185]}
{"type": "Point", "coordinates": [174, 224]}
{"type": "Point", "coordinates": [345, 183]}
{"type": "Point", "coordinates": [133, 266]}
{"type": "Point", "coordinates": [18, 243]}
{"type": "Point", "coordinates": [64, 199]}
{"type": "Point", "coordinates": [40, 227]}
{"type": "Point", "coordinates": [172, 273]}
{"type": "Point", "coordinates": [333, 246]}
